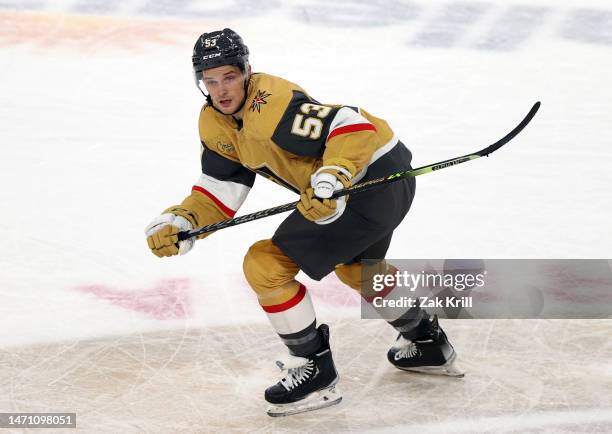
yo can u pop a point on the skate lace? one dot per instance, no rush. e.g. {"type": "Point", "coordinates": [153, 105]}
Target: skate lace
{"type": "Point", "coordinates": [296, 376]}
{"type": "Point", "coordinates": [407, 351]}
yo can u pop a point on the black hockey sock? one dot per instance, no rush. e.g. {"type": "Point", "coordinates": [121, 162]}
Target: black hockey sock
{"type": "Point", "coordinates": [304, 342]}
{"type": "Point", "coordinates": [413, 324]}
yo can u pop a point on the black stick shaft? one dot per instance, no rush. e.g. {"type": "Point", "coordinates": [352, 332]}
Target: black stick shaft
{"type": "Point", "coordinates": [358, 188]}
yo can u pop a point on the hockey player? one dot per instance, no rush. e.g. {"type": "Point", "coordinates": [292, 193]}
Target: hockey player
{"type": "Point", "coordinates": [256, 123]}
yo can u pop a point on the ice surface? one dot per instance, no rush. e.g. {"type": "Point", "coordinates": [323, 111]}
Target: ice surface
{"type": "Point", "coordinates": [98, 135]}
{"type": "Point", "coordinates": [522, 376]}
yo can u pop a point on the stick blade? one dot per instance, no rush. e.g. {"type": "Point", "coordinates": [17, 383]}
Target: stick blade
{"type": "Point", "coordinates": [501, 142]}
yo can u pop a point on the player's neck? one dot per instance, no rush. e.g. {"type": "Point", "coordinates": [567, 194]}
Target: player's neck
{"type": "Point", "coordinates": [239, 113]}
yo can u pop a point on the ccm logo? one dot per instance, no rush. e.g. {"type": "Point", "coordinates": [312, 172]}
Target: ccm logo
{"type": "Point", "coordinates": [210, 56]}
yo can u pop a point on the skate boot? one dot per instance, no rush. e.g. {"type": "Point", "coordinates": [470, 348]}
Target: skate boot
{"type": "Point", "coordinates": [310, 382]}
{"type": "Point", "coordinates": [431, 354]}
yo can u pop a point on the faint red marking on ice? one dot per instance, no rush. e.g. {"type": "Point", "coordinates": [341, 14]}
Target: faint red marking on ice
{"type": "Point", "coordinates": [578, 285]}
{"type": "Point", "coordinates": [167, 300]}
{"type": "Point", "coordinates": [88, 33]}
{"type": "Point", "coordinates": [333, 292]}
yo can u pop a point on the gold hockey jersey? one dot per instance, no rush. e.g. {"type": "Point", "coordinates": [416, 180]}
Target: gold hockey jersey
{"type": "Point", "coordinates": [284, 135]}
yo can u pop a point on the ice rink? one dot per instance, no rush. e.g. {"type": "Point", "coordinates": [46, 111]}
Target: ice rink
{"type": "Point", "coordinates": [98, 135]}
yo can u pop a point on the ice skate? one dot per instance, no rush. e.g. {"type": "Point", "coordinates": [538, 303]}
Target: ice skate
{"type": "Point", "coordinates": [432, 354]}
{"type": "Point", "coordinates": [309, 384]}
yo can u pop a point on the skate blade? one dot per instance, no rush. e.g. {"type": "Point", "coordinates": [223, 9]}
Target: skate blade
{"type": "Point", "coordinates": [316, 400]}
{"type": "Point", "coordinates": [448, 369]}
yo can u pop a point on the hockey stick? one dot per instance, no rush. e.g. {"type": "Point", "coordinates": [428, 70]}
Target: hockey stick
{"type": "Point", "coordinates": [357, 188]}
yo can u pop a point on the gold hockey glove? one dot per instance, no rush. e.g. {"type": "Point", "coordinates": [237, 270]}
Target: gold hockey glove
{"type": "Point", "coordinates": [162, 235]}
{"type": "Point", "coordinates": [316, 209]}
{"type": "Point", "coordinates": [315, 203]}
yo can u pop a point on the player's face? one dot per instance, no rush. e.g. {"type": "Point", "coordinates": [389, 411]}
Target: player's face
{"type": "Point", "coordinates": [225, 85]}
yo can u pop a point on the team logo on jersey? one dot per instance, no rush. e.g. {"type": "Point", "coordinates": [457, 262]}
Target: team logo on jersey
{"type": "Point", "coordinates": [225, 147]}
{"type": "Point", "coordinates": [260, 98]}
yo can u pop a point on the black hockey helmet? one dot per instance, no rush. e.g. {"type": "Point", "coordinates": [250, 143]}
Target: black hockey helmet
{"type": "Point", "coordinates": [219, 48]}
